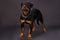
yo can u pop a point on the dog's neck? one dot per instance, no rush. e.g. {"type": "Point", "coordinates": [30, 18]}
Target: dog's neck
{"type": "Point", "coordinates": [27, 15]}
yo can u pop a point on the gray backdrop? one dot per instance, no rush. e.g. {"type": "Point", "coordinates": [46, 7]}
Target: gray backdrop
{"type": "Point", "coordinates": [8, 19]}
{"type": "Point", "coordinates": [49, 8]}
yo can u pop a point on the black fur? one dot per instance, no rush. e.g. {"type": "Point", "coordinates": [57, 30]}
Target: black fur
{"type": "Point", "coordinates": [34, 14]}
{"type": "Point", "coordinates": [27, 4]}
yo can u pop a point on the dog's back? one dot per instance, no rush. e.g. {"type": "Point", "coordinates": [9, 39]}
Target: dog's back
{"type": "Point", "coordinates": [37, 15]}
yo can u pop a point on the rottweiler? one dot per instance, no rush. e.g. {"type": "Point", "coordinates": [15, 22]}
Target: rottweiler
{"type": "Point", "coordinates": [29, 15]}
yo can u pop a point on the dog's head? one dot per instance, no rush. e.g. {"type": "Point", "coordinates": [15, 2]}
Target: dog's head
{"type": "Point", "coordinates": [26, 6]}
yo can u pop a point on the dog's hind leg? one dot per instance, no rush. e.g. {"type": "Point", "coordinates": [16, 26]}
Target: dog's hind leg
{"type": "Point", "coordinates": [43, 27]}
{"type": "Point", "coordinates": [42, 24]}
{"type": "Point", "coordinates": [34, 26]}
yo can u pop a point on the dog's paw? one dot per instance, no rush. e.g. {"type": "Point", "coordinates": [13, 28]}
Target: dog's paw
{"type": "Point", "coordinates": [33, 29]}
{"type": "Point", "coordinates": [44, 30]}
{"type": "Point", "coordinates": [21, 35]}
{"type": "Point", "coordinates": [29, 36]}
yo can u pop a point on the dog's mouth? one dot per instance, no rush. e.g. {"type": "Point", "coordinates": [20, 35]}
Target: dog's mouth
{"type": "Point", "coordinates": [25, 11]}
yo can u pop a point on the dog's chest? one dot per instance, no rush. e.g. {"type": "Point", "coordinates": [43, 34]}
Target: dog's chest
{"type": "Point", "coordinates": [27, 17]}
{"type": "Point", "coordinates": [32, 16]}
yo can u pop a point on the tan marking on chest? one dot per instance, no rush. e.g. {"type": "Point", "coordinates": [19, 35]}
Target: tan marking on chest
{"type": "Point", "coordinates": [29, 21]}
{"type": "Point", "coordinates": [22, 21]}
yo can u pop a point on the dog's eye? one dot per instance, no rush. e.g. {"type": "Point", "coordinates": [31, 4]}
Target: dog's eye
{"type": "Point", "coordinates": [28, 6]}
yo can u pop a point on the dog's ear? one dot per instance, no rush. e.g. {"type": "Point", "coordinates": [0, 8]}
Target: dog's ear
{"type": "Point", "coordinates": [31, 5]}
{"type": "Point", "coordinates": [21, 4]}
{"type": "Point", "coordinates": [27, 3]}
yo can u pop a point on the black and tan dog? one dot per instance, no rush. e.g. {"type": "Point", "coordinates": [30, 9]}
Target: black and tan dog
{"type": "Point", "coordinates": [29, 15]}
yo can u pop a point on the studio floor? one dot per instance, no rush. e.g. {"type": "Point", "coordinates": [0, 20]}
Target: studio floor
{"type": "Point", "coordinates": [10, 33]}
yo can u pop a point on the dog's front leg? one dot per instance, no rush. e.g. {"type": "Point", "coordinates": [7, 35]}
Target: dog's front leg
{"type": "Point", "coordinates": [30, 31]}
{"type": "Point", "coordinates": [30, 28]}
{"type": "Point", "coordinates": [22, 28]}
{"type": "Point", "coordinates": [22, 31]}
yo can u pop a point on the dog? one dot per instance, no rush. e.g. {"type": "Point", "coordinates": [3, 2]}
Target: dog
{"type": "Point", "coordinates": [29, 15]}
